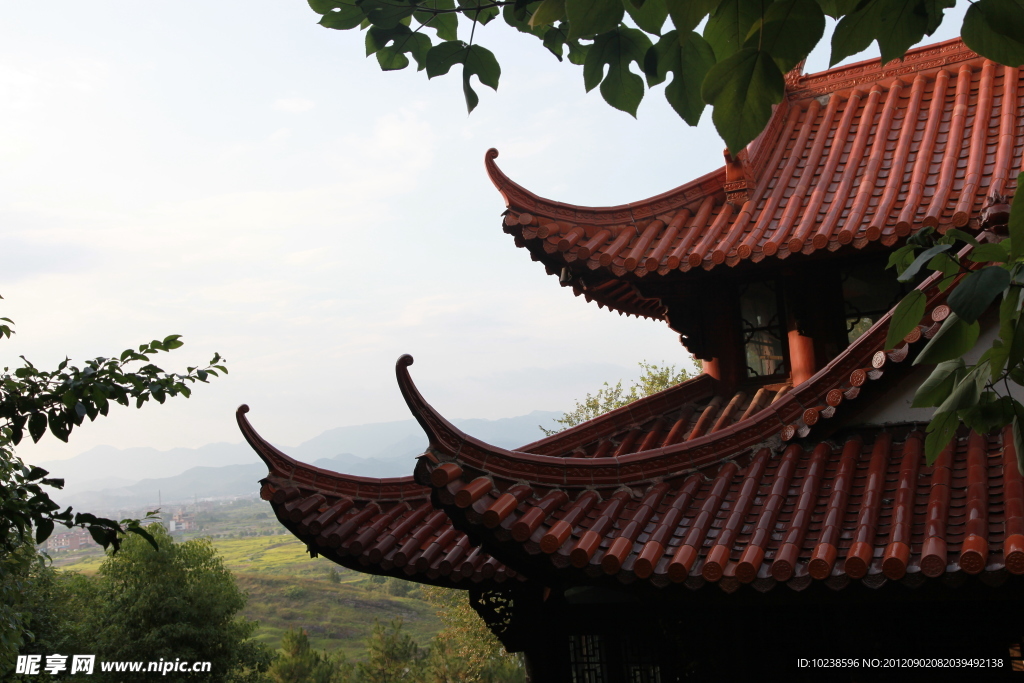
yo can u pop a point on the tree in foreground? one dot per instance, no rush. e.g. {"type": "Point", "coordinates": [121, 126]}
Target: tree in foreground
{"type": "Point", "coordinates": [653, 378]}
{"type": "Point", "coordinates": [392, 657]}
{"type": "Point", "coordinates": [34, 401]}
{"type": "Point", "coordinates": [299, 662]}
{"type": "Point", "coordinates": [176, 602]}
{"type": "Point", "coordinates": [465, 650]}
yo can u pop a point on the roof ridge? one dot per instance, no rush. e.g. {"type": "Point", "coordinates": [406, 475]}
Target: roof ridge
{"type": "Point", "coordinates": [516, 195]}
{"type": "Point", "coordinates": [302, 474]}
{"type": "Point", "coordinates": [849, 76]}
{"type": "Point", "coordinates": [789, 418]}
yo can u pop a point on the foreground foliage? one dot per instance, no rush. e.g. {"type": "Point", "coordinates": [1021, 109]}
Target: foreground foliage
{"type": "Point", "coordinates": [736, 63]}
{"type": "Point", "coordinates": [178, 602]}
{"type": "Point", "coordinates": [976, 394]}
{"type": "Point", "coordinates": [34, 401]}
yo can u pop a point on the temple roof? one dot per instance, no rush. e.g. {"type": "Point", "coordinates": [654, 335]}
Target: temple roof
{"type": "Point", "coordinates": [376, 526]}
{"type": "Point", "coordinates": [688, 486]}
{"type": "Point", "coordinates": [740, 505]}
{"type": "Point", "coordinates": [862, 507]}
{"type": "Point", "coordinates": [855, 155]}
{"type": "Point", "coordinates": [707, 482]}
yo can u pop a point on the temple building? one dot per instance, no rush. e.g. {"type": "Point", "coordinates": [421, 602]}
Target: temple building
{"type": "Point", "coordinates": [778, 506]}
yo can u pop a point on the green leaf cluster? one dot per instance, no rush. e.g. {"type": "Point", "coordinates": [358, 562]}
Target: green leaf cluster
{"type": "Point", "coordinates": [988, 276]}
{"type": "Point", "coordinates": [149, 602]}
{"type": "Point", "coordinates": [33, 402]}
{"type": "Point", "coordinates": [736, 64]}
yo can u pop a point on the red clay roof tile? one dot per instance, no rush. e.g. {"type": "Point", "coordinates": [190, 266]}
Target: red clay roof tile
{"type": "Point", "coordinates": [852, 156]}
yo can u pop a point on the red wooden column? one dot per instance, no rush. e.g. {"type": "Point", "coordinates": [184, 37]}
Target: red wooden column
{"type": "Point", "coordinates": [801, 357]}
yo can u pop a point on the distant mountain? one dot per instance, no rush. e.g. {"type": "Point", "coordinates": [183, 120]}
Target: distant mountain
{"type": "Point", "coordinates": [406, 438]}
{"type": "Point", "coordinates": [96, 468]}
{"type": "Point", "coordinates": [106, 478]}
{"type": "Point", "coordinates": [197, 482]}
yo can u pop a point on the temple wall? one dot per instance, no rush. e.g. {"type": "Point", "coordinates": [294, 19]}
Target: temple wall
{"type": "Point", "coordinates": [897, 408]}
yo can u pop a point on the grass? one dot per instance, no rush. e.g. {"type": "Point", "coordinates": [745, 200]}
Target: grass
{"type": "Point", "coordinates": [336, 616]}
{"type": "Point", "coordinates": [288, 589]}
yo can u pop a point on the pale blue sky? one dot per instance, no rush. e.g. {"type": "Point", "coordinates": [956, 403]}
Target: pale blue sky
{"type": "Point", "coordinates": [234, 173]}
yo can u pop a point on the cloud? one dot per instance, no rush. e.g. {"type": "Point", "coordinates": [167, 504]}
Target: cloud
{"type": "Point", "coordinates": [295, 105]}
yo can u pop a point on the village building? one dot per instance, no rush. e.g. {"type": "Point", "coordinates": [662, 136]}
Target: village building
{"type": "Point", "coordinates": [777, 507]}
{"type": "Point", "coordinates": [182, 521]}
{"type": "Point", "coordinates": [73, 539]}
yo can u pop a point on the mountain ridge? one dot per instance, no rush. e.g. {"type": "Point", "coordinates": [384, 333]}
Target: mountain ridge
{"type": "Point", "coordinates": [107, 478]}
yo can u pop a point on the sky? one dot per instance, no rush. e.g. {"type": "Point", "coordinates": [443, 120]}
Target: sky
{"type": "Point", "coordinates": [235, 173]}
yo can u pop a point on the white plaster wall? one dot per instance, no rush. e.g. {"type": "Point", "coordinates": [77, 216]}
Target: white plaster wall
{"type": "Point", "coordinates": [896, 406]}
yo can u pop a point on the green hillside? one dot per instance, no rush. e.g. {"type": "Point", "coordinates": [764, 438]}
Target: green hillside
{"type": "Point", "coordinates": [288, 589]}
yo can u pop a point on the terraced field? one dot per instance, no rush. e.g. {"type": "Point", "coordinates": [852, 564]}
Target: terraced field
{"type": "Point", "coordinates": [288, 589]}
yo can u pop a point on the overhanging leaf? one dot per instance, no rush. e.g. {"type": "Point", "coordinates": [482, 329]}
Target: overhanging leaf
{"type": "Point", "coordinates": [37, 426]}
{"type": "Point", "coordinates": [1016, 224]}
{"type": "Point", "coordinates": [790, 30]}
{"type": "Point", "coordinates": [446, 24]}
{"type": "Point", "coordinates": [593, 17]}
{"type": "Point", "coordinates": [443, 56]}
{"type": "Point", "coordinates": [44, 527]}
{"type": "Point", "coordinates": [728, 26]}
{"type": "Point", "coordinates": [390, 45]}
{"type": "Point", "coordinates": [343, 16]}
{"type": "Point", "coordinates": [548, 12]}
{"type": "Point", "coordinates": [901, 258]}
{"type": "Point", "coordinates": [478, 11]}
{"type": "Point", "coordinates": [479, 62]}
{"type": "Point", "coordinates": [687, 14]}
{"type": "Point", "coordinates": [837, 8]}
{"type": "Point", "coordinates": [934, 390]}
{"type": "Point", "coordinates": [854, 32]}
{"type": "Point", "coordinates": [386, 13]}
{"type": "Point", "coordinates": [1016, 347]}
{"type": "Point", "coordinates": [742, 89]}
{"type": "Point", "coordinates": [998, 252]}
{"type": "Point", "coordinates": [977, 291]}
{"type": "Point", "coordinates": [955, 338]}
{"type": "Point", "coordinates": [967, 391]}
{"type": "Point", "coordinates": [923, 258]}
{"type": "Point", "coordinates": [650, 16]}
{"type": "Point", "coordinates": [995, 29]}
{"type": "Point", "coordinates": [895, 24]}
{"type": "Point", "coordinates": [617, 49]}
{"type": "Point", "coordinates": [940, 432]}
{"type": "Point", "coordinates": [991, 412]}
{"type": "Point", "coordinates": [688, 59]}
{"type": "Point", "coordinates": [902, 23]}
{"type": "Point", "coordinates": [905, 318]}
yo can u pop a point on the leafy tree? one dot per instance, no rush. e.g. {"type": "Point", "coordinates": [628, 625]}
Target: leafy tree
{"type": "Point", "coordinates": [35, 401]}
{"type": "Point", "coordinates": [735, 64]}
{"type": "Point", "coordinates": [653, 379]}
{"type": "Point", "coordinates": [465, 651]}
{"type": "Point", "coordinates": [56, 606]}
{"type": "Point", "coordinates": [300, 663]}
{"type": "Point", "coordinates": [976, 394]}
{"type": "Point", "coordinates": [391, 656]}
{"type": "Point", "coordinates": [176, 602]}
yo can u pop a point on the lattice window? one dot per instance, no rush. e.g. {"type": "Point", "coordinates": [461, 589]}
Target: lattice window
{"type": "Point", "coordinates": [587, 659]}
{"type": "Point", "coordinates": [639, 662]}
